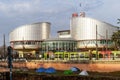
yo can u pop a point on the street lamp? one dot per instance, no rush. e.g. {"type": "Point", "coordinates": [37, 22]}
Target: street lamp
{"type": "Point", "coordinates": [96, 44]}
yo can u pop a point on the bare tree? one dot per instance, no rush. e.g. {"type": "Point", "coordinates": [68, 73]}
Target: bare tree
{"type": "Point", "coordinates": [3, 53]}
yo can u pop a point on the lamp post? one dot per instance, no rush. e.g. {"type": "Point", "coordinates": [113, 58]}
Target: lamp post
{"type": "Point", "coordinates": [4, 45]}
{"type": "Point", "coordinates": [10, 51]}
{"type": "Point", "coordinates": [106, 40]}
{"type": "Point", "coordinates": [96, 44]}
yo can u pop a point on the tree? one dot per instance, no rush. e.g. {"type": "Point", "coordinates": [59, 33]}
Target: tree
{"type": "Point", "coordinates": [2, 52]}
{"type": "Point", "coordinates": [118, 21]}
{"type": "Point", "coordinates": [116, 39]}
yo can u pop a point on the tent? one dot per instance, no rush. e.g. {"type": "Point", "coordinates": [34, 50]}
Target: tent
{"type": "Point", "coordinates": [74, 69]}
{"type": "Point", "coordinates": [84, 73]}
{"type": "Point", "coordinates": [41, 69]}
{"type": "Point", "coordinates": [67, 72]}
{"type": "Point", "coordinates": [50, 70]}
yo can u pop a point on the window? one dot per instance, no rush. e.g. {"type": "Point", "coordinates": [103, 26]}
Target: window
{"type": "Point", "coordinates": [64, 33]}
{"type": "Point", "coordinates": [66, 55]}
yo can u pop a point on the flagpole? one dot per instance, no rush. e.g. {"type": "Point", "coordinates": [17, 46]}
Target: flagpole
{"type": "Point", "coordinates": [23, 45]}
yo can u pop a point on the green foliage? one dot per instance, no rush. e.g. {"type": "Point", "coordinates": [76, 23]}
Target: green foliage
{"type": "Point", "coordinates": [116, 39]}
{"type": "Point", "coordinates": [68, 72]}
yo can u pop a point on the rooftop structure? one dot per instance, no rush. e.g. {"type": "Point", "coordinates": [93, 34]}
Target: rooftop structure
{"type": "Point", "coordinates": [84, 34]}
{"type": "Point", "coordinates": [85, 30]}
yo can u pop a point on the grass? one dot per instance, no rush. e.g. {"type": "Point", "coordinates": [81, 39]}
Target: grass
{"type": "Point", "coordinates": [61, 73]}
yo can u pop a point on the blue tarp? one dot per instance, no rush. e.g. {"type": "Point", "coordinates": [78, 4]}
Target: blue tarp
{"type": "Point", "coordinates": [50, 70]}
{"type": "Point", "coordinates": [74, 69]}
{"type": "Point", "coordinates": [41, 69]}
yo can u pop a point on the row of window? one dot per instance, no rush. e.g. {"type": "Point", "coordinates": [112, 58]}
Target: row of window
{"type": "Point", "coordinates": [44, 43]}
{"type": "Point", "coordinates": [61, 42]}
{"type": "Point", "coordinates": [59, 45]}
{"type": "Point", "coordinates": [94, 42]}
{"type": "Point", "coordinates": [55, 45]}
{"type": "Point", "coordinates": [27, 42]}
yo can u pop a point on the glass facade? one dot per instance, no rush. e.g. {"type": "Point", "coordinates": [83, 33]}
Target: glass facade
{"type": "Point", "coordinates": [92, 43]}
{"type": "Point", "coordinates": [58, 45]}
{"type": "Point", "coordinates": [27, 42]}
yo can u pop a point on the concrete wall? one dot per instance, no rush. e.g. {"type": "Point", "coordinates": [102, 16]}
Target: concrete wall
{"type": "Point", "coordinates": [100, 67]}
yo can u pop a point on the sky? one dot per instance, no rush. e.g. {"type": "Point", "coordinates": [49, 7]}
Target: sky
{"type": "Point", "coordinates": [15, 13]}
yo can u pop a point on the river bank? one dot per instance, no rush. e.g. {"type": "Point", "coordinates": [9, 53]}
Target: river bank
{"type": "Point", "coordinates": [94, 66]}
{"type": "Point", "coordinates": [60, 76]}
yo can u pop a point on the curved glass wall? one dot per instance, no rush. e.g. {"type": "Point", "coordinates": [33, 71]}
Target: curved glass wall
{"type": "Point", "coordinates": [27, 42]}
{"type": "Point", "coordinates": [92, 43]}
{"type": "Point", "coordinates": [58, 46]}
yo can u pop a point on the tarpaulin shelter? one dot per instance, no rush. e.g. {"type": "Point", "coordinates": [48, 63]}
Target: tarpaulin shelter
{"type": "Point", "coordinates": [41, 69]}
{"type": "Point", "coordinates": [50, 70]}
{"type": "Point", "coordinates": [74, 69]}
{"type": "Point", "coordinates": [84, 73]}
{"type": "Point", "coordinates": [67, 72]}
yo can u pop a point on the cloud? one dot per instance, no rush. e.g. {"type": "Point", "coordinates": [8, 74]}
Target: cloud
{"type": "Point", "coordinates": [86, 5]}
{"type": "Point", "coordinates": [14, 13]}
{"type": "Point", "coordinates": [108, 12]}
{"type": "Point", "coordinates": [16, 7]}
{"type": "Point", "coordinates": [23, 7]}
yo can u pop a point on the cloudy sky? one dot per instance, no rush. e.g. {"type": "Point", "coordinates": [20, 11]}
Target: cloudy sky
{"type": "Point", "coordinates": [14, 13]}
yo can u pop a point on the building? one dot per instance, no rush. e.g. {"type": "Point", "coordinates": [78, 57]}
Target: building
{"type": "Point", "coordinates": [90, 32]}
{"type": "Point", "coordinates": [59, 44]}
{"type": "Point", "coordinates": [27, 39]}
{"type": "Point", "coordinates": [85, 34]}
{"type": "Point", "coordinates": [64, 34]}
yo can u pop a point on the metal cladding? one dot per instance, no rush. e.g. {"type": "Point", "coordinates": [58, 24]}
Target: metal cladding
{"type": "Point", "coordinates": [36, 31]}
{"type": "Point", "coordinates": [84, 29]}
{"type": "Point", "coordinates": [30, 36]}
{"type": "Point", "coordinates": [88, 33]}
